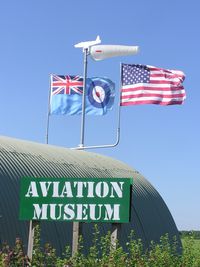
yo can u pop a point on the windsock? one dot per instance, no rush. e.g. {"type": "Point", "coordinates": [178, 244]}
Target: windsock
{"type": "Point", "coordinates": [99, 52]}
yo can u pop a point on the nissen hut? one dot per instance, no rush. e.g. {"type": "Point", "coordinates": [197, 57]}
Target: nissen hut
{"type": "Point", "coordinates": [150, 217]}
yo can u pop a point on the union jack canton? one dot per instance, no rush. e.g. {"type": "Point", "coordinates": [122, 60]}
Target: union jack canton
{"type": "Point", "coordinates": [66, 84]}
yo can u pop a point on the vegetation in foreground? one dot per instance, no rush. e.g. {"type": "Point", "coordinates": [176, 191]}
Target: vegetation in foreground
{"type": "Point", "coordinates": [101, 254]}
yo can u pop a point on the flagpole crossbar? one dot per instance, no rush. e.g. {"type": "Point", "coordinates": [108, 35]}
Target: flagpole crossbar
{"type": "Point", "coordinates": [99, 146]}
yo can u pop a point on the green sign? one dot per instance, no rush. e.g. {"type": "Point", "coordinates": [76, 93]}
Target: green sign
{"type": "Point", "coordinates": [80, 199]}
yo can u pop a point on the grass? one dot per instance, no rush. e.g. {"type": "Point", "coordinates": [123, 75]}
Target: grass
{"type": "Point", "coordinates": [196, 243]}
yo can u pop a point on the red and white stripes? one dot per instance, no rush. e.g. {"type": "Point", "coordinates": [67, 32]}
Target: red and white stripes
{"type": "Point", "coordinates": [164, 88]}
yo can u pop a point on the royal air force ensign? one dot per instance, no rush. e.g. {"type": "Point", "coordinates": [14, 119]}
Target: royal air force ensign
{"type": "Point", "coordinates": [101, 94]}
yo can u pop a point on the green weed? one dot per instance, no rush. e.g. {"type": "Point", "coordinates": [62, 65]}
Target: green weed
{"type": "Point", "coordinates": [103, 254]}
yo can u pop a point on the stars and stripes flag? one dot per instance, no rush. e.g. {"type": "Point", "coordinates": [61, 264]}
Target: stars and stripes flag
{"type": "Point", "coordinates": [143, 84]}
{"type": "Point", "coordinates": [66, 84]}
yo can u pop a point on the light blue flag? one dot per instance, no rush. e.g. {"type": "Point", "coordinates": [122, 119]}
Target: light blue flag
{"type": "Point", "coordinates": [67, 91]}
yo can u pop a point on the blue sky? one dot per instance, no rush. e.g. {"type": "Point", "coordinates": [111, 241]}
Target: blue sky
{"type": "Point", "coordinates": [162, 143]}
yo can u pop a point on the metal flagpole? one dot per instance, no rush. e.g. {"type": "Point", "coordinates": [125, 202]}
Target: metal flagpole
{"type": "Point", "coordinates": [48, 113]}
{"type": "Point", "coordinates": [83, 100]}
{"type": "Point", "coordinates": [118, 124]}
{"type": "Point", "coordinates": [100, 52]}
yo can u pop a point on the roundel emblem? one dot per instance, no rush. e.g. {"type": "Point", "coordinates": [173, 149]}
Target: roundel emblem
{"type": "Point", "coordinates": [99, 93]}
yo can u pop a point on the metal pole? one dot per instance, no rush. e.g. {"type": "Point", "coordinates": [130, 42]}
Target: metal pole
{"type": "Point", "coordinates": [47, 128]}
{"type": "Point", "coordinates": [118, 124]}
{"type": "Point", "coordinates": [83, 99]}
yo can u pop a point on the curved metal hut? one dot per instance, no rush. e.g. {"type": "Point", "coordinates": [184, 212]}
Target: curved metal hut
{"type": "Point", "coordinates": [150, 217]}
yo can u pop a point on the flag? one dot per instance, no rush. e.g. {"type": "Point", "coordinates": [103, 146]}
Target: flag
{"type": "Point", "coordinates": [66, 84]}
{"type": "Point", "coordinates": [143, 84]}
{"type": "Point", "coordinates": [66, 94]}
{"type": "Point", "coordinates": [67, 91]}
{"type": "Point", "coordinates": [100, 94]}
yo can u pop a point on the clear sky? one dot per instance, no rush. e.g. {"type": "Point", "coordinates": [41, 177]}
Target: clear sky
{"type": "Point", "coordinates": [162, 143]}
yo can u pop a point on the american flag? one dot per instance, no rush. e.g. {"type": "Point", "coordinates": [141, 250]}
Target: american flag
{"type": "Point", "coordinates": [143, 84]}
{"type": "Point", "coordinates": [66, 84]}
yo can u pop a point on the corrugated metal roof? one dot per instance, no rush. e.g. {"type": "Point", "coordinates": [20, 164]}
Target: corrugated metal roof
{"type": "Point", "coordinates": [150, 216]}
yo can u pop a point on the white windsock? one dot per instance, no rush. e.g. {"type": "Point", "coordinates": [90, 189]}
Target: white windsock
{"type": "Point", "coordinates": [99, 52]}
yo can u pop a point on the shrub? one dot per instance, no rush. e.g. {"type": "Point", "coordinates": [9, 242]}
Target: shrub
{"type": "Point", "coordinates": [103, 254]}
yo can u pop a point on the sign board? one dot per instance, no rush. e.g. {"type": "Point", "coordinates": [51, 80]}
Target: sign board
{"type": "Point", "coordinates": [75, 199]}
